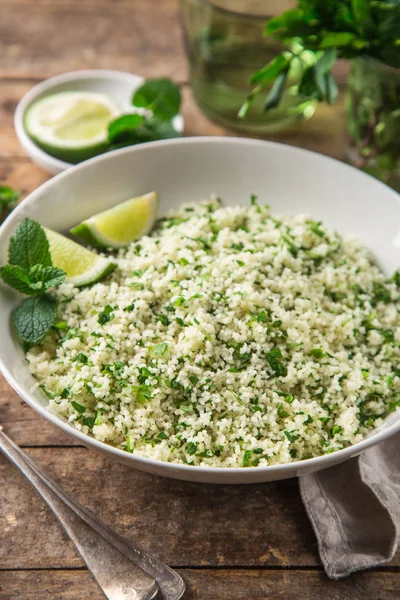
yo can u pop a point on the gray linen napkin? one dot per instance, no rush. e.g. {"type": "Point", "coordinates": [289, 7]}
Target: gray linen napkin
{"type": "Point", "coordinates": [354, 509]}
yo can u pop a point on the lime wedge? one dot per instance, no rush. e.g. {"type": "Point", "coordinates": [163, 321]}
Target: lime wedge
{"type": "Point", "coordinates": [72, 126]}
{"type": "Point", "coordinates": [81, 265]}
{"type": "Point", "coordinates": [120, 225]}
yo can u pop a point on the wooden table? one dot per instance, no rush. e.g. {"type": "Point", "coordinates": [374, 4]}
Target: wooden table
{"type": "Point", "coordinates": [245, 542]}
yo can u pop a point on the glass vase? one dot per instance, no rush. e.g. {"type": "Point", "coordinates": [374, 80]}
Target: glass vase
{"type": "Point", "coordinates": [373, 120]}
{"type": "Point", "coordinates": [225, 45]}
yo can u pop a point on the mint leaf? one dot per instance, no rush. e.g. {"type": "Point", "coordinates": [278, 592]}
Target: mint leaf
{"type": "Point", "coordinates": [8, 197]}
{"type": "Point", "coordinates": [331, 88]}
{"type": "Point", "coordinates": [34, 317]}
{"type": "Point", "coordinates": [124, 126]}
{"type": "Point", "coordinates": [29, 246]}
{"type": "Point", "coordinates": [17, 278]}
{"type": "Point", "coordinates": [337, 39]}
{"type": "Point", "coordinates": [154, 130]}
{"type": "Point", "coordinates": [268, 73]}
{"type": "Point", "coordinates": [362, 16]}
{"type": "Point", "coordinates": [43, 278]}
{"type": "Point", "coordinates": [161, 96]}
{"type": "Point", "coordinates": [33, 283]}
{"type": "Point", "coordinates": [275, 94]}
{"type": "Point", "coordinates": [125, 132]}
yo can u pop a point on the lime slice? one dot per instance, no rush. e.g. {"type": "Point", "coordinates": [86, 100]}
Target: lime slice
{"type": "Point", "coordinates": [120, 225]}
{"type": "Point", "coordinates": [81, 265]}
{"type": "Point", "coordinates": [72, 126]}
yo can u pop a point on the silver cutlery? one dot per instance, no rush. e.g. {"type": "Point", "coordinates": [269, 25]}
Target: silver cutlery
{"type": "Point", "coordinates": [122, 571]}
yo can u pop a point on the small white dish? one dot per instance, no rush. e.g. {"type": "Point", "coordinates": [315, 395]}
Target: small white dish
{"type": "Point", "coordinates": [291, 180]}
{"type": "Point", "coordinates": [116, 84]}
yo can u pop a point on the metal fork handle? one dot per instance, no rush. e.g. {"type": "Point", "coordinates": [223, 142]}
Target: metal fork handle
{"type": "Point", "coordinates": [99, 541]}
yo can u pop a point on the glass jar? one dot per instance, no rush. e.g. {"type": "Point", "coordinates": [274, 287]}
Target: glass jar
{"type": "Point", "coordinates": [225, 44]}
{"type": "Point", "coordinates": [373, 120]}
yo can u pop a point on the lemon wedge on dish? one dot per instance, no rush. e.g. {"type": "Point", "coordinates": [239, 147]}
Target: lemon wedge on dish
{"type": "Point", "coordinates": [120, 225]}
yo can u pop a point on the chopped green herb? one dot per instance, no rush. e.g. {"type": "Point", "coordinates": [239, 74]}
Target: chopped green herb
{"type": "Point", "coordinates": [106, 315]}
{"type": "Point", "coordinates": [273, 358]}
{"type": "Point", "coordinates": [159, 349]}
{"type": "Point", "coordinates": [78, 407]}
{"type": "Point", "coordinates": [292, 437]}
{"type": "Point", "coordinates": [282, 413]}
{"type": "Point", "coordinates": [247, 457]}
{"type": "Point", "coordinates": [82, 358]}
{"type": "Point", "coordinates": [191, 448]}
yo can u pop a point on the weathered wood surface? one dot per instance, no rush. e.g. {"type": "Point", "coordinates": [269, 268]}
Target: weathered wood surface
{"type": "Point", "coordinates": [211, 584]}
{"type": "Point", "coordinates": [243, 543]}
{"type": "Point", "coordinates": [40, 39]}
{"type": "Point", "coordinates": [184, 524]}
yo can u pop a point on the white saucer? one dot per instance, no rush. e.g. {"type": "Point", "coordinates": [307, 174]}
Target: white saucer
{"type": "Point", "coordinates": [116, 84]}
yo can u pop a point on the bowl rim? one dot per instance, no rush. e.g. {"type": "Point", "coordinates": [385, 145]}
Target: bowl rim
{"type": "Point", "coordinates": [313, 464]}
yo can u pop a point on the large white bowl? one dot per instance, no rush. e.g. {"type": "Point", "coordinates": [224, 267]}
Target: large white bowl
{"type": "Point", "coordinates": [289, 179]}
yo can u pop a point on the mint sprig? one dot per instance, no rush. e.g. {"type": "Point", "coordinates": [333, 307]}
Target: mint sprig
{"type": "Point", "coordinates": [326, 30]}
{"type": "Point", "coordinates": [162, 98]}
{"type": "Point", "coordinates": [31, 272]}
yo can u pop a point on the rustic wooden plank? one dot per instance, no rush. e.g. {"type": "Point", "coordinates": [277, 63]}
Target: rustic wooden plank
{"type": "Point", "coordinates": [39, 40]}
{"type": "Point", "coordinates": [21, 174]}
{"type": "Point", "coordinates": [183, 524]}
{"type": "Point", "coordinates": [210, 585]}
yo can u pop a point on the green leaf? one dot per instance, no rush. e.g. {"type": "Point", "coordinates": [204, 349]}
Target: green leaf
{"type": "Point", "coordinates": [106, 315]}
{"type": "Point", "coordinates": [78, 407]}
{"type": "Point", "coordinates": [317, 353]}
{"type": "Point", "coordinates": [273, 358]}
{"type": "Point", "coordinates": [331, 88]}
{"type": "Point", "coordinates": [126, 131]}
{"type": "Point", "coordinates": [43, 278]}
{"type": "Point", "coordinates": [123, 126]}
{"type": "Point", "coordinates": [244, 109]}
{"type": "Point", "coordinates": [290, 23]}
{"type": "Point", "coordinates": [8, 197]}
{"type": "Point", "coordinates": [191, 448]}
{"type": "Point", "coordinates": [326, 62]}
{"type": "Point", "coordinates": [161, 96]}
{"type": "Point", "coordinates": [34, 317]}
{"type": "Point", "coordinates": [17, 278]}
{"type": "Point", "coordinates": [268, 73]}
{"type": "Point", "coordinates": [158, 349]}
{"type": "Point", "coordinates": [334, 39]}
{"type": "Point", "coordinates": [275, 94]}
{"type": "Point", "coordinates": [29, 246]}
{"type": "Point", "coordinates": [362, 16]}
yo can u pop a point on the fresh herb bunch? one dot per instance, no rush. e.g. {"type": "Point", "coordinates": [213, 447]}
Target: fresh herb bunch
{"type": "Point", "coordinates": [159, 101]}
{"type": "Point", "coordinates": [31, 272]}
{"type": "Point", "coordinates": [330, 29]}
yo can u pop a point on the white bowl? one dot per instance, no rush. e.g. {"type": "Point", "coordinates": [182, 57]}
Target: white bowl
{"type": "Point", "coordinates": [116, 84]}
{"type": "Point", "coordinates": [289, 179]}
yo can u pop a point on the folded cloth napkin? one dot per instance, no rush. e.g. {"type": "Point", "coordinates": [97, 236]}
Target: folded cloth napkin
{"type": "Point", "coordinates": [354, 509]}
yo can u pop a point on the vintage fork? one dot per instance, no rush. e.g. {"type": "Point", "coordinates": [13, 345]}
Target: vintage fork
{"type": "Point", "coordinates": [122, 571]}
